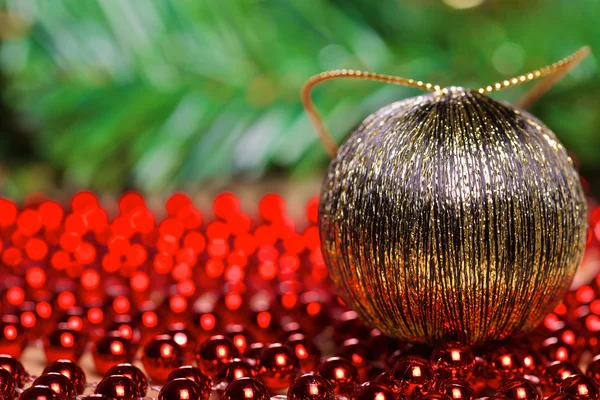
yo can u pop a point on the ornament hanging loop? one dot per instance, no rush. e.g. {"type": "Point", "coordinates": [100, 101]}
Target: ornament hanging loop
{"type": "Point", "coordinates": [315, 118]}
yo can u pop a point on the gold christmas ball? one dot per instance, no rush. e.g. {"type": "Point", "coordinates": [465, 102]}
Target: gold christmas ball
{"type": "Point", "coordinates": [452, 216]}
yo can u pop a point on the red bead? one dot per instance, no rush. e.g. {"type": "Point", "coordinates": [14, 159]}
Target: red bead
{"type": "Point", "coordinates": [502, 363]}
{"type": "Point", "coordinates": [347, 326]}
{"type": "Point", "coordinates": [412, 374]}
{"type": "Point", "coordinates": [307, 353]}
{"type": "Point", "coordinates": [181, 389]}
{"type": "Point", "coordinates": [195, 374]}
{"type": "Point", "coordinates": [12, 336]}
{"type": "Point", "coordinates": [558, 371]}
{"type": "Point", "coordinates": [519, 388]}
{"type": "Point", "coordinates": [7, 384]}
{"type": "Point", "coordinates": [277, 366]}
{"type": "Point", "coordinates": [457, 389]}
{"type": "Point", "coordinates": [555, 349]}
{"type": "Point", "coordinates": [124, 324]}
{"type": "Point", "coordinates": [373, 391]}
{"type": "Point", "coordinates": [310, 387]}
{"type": "Point", "coordinates": [184, 338]}
{"type": "Point", "coordinates": [453, 360]}
{"type": "Point", "coordinates": [64, 343]}
{"type": "Point", "coordinates": [69, 369]}
{"type": "Point", "coordinates": [133, 373]}
{"type": "Point", "coordinates": [63, 386]}
{"type": "Point", "coordinates": [340, 373]}
{"type": "Point", "coordinates": [386, 379]}
{"type": "Point", "coordinates": [593, 369]}
{"type": "Point", "coordinates": [111, 350]}
{"type": "Point", "coordinates": [581, 386]}
{"type": "Point", "coordinates": [232, 370]}
{"type": "Point", "coordinates": [39, 393]}
{"type": "Point", "coordinates": [215, 352]}
{"type": "Point", "coordinates": [252, 353]}
{"type": "Point", "coordinates": [358, 354]}
{"type": "Point", "coordinates": [161, 355]}
{"type": "Point", "coordinates": [15, 367]}
{"type": "Point", "coordinates": [239, 336]}
{"type": "Point", "coordinates": [246, 388]}
{"type": "Point", "coordinates": [117, 387]}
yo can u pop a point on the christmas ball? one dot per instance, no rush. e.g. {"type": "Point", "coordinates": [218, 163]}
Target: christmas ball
{"type": "Point", "coordinates": [452, 216]}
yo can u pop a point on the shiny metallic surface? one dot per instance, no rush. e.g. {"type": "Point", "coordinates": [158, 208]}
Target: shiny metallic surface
{"type": "Point", "coordinates": [452, 216]}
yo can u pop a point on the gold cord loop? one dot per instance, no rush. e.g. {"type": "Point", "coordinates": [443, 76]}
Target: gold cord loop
{"type": "Point", "coordinates": [315, 118]}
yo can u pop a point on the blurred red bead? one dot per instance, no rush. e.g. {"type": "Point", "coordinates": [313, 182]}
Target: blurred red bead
{"type": "Point", "coordinates": [593, 368]}
{"type": "Point", "coordinates": [308, 354]}
{"type": "Point", "coordinates": [133, 373]}
{"type": "Point", "coordinates": [195, 374]}
{"type": "Point", "coordinates": [453, 360]}
{"type": "Point", "coordinates": [184, 338]}
{"type": "Point", "coordinates": [15, 367]}
{"type": "Point", "coordinates": [412, 374]}
{"type": "Point", "coordinates": [240, 337]}
{"type": "Point", "coordinates": [214, 352]}
{"type": "Point", "coordinates": [358, 354]}
{"type": "Point", "coordinates": [581, 386]}
{"type": "Point", "coordinates": [519, 388]}
{"type": "Point", "coordinates": [232, 370]}
{"type": "Point", "coordinates": [252, 353]}
{"type": "Point", "coordinates": [555, 349]}
{"type": "Point", "coordinates": [246, 389]}
{"type": "Point", "coordinates": [117, 387]}
{"type": "Point", "coordinates": [373, 391]}
{"type": "Point", "coordinates": [69, 369]}
{"type": "Point", "coordinates": [181, 389]}
{"type": "Point", "coordinates": [310, 387]}
{"type": "Point", "coordinates": [7, 385]}
{"type": "Point", "coordinates": [12, 336]}
{"type": "Point", "coordinates": [277, 366]}
{"type": "Point", "coordinates": [62, 386]}
{"type": "Point", "coordinates": [39, 393]}
{"type": "Point", "coordinates": [340, 373]}
{"type": "Point", "coordinates": [348, 325]}
{"type": "Point", "coordinates": [64, 343]}
{"type": "Point", "coordinates": [160, 356]}
{"type": "Point", "coordinates": [111, 350]}
{"type": "Point", "coordinates": [558, 371]}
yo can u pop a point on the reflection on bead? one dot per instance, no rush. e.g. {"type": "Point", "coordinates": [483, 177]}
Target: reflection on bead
{"type": "Point", "coordinates": [412, 374]}
{"type": "Point", "coordinates": [13, 366]}
{"type": "Point", "coordinates": [239, 336]}
{"type": "Point", "coordinates": [310, 387]}
{"type": "Point", "coordinates": [132, 372]}
{"type": "Point", "coordinates": [39, 393]}
{"type": "Point", "coordinates": [558, 371]}
{"type": "Point", "coordinates": [69, 369]}
{"type": "Point", "coordinates": [63, 386]}
{"type": "Point", "coordinates": [160, 356]}
{"type": "Point", "coordinates": [194, 373]}
{"type": "Point", "coordinates": [453, 360]}
{"type": "Point", "coordinates": [358, 354]}
{"type": "Point", "coordinates": [309, 355]}
{"type": "Point", "coordinates": [246, 389]}
{"type": "Point", "coordinates": [457, 389]}
{"type": "Point", "coordinates": [340, 373]}
{"type": "Point", "coordinates": [117, 387]}
{"type": "Point", "coordinates": [217, 350]}
{"type": "Point", "coordinates": [12, 336]}
{"type": "Point", "coordinates": [373, 391]}
{"type": "Point", "coordinates": [111, 350]}
{"type": "Point", "coordinates": [519, 388]}
{"type": "Point", "coordinates": [232, 370]}
{"type": "Point", "coordinates": [184, 338]}
{"type": "Point", "coordinates": [277, 366]}
{"type": "Point", "coordinates": [581, 386]}
{"type": "Point", "coordinates": [64, 343]}
{"type": "Point", "coordinates": [181, 389]}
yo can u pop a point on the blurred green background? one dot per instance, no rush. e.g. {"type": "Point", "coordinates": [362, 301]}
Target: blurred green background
{"type": "Point", "coordinates": [163, 95]}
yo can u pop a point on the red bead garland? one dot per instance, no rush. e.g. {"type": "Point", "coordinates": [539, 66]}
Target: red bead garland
{"type": "Point", "coordinates": [247, 299]}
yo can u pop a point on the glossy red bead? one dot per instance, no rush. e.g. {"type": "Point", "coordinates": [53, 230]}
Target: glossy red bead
{"type": "Point", "coordinates": [358, 354]}
{"type": "Point", "coordinates": [15, 367]}
{"type": "Point", "coordinates": [453, 360]}
{"type": "Point", "coordinates": [246, 389]}
{"type": "Point", "coordinates": [63, 386]}
{"type": "Point", "coordinates": [519, 388]}
{"type": "Point", "coordinates": [12, 336]}
{"type": "Point", "coordinates": [111, 350]}
{"type": "Point", "coordinates": [160, 356]}
{"type": "Point", "coordinates": [457, 389]}
{"type": "Point", "coordinates": [386, 379]}
{"type": "Point", "coordinates": [232, 370]}
{"type": "Point", "coordinates": [309, 355]}
{"type": "Point", "coordinates": [39, 393]}
{"type": "Point", "coordinates": [413, 374]}
{"type": "Point", "coordinates": [214, 352]}
{"type": "Point", "coordinates": [69, 369]}
{"type": "Point", "coordinates": [194, 373]}
{"type": "Point", "coordinates": [63, 343]}
{"type": "Point", "coordinates": [581, 386]}
{"type": "Point", "coordinates": [340, 373]}
{"type": "Point", "coordinates": [7, 384]}
{"type": "Point", "coordinates": [185, 339]}
{"type": "Point", "coordinates": [277, 366]}
{"type": "Point", "coordinates": [373, 391]}
{"type": "Point", "coordinates": [310, 387]}
{"type": "Point", "coordinates": [239, 336]}
{"type": "Point", "coordinates": [252, 353]}
{"type": "Point", "coordinates": [117, 387]}
{"type": "Point", "coordinates": [593, 368]}
{"type": "Point", "coordinates": [132, 372]}
{"type": "Point", "coordinates": [558, 371]}
{"type": "Point", "coordinates": [556, 349]}
{"type": "Point", "coordinates": [181, 389]}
